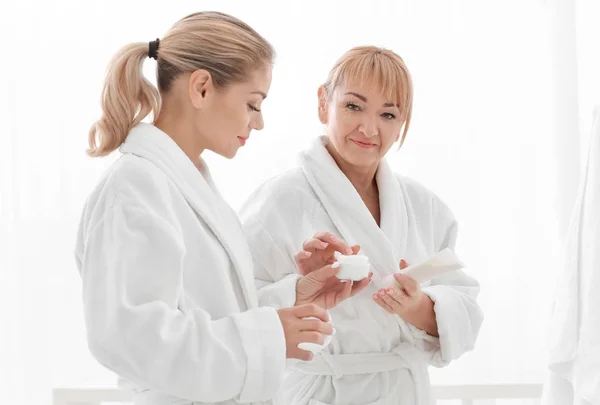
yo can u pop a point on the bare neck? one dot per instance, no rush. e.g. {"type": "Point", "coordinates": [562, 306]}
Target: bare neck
{"type": "Point", "coordinates": [362, 178]}
{"type": "Point", "coordinates": [183, 135]}
{"type": "Point", "coordinates": [364, 181]}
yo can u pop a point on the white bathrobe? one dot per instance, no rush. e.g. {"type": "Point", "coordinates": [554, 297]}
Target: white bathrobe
{"type": "Point", "coordinates": [374, 357]}
{"type": "Point", "coordinates": [168, 290]}
{"type": "Point", "coordinates": [574, 332]}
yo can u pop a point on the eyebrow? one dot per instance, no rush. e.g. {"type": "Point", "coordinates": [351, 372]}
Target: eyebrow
{"type": "Point", "coordinates": [364, 99]}
{"type": "Point", "coordinates": [260, 93]}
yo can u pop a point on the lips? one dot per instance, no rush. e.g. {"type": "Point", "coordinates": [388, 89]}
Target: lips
{"type": "Point", "coordinates": [363, 144]}
{"type": "Point", "coordinates": [242, 140]}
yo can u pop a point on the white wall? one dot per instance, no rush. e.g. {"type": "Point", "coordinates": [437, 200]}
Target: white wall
{"type": "Point", "coordinates": [481, 138]}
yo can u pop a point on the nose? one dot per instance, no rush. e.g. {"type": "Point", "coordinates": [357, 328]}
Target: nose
{"type": "Point", "coordinates": [368, 127]}
{"type": "Point", "coordinates": [257, 123]}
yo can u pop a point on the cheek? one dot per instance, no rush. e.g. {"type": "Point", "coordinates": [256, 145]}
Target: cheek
{"type": "Point", "coordinates": [390, 134]}
{"type": "Point", "coordinates": [243, 119]}
{"type": "Point", "coordinates": [343, 123]}
{"type": "Point", "coordinates": [236, 120]}
{"type": "Point", "coordinates": [232, 111]}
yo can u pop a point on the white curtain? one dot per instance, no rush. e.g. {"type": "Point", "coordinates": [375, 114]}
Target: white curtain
{"type": "Point", "coordinates": [574, 360]}
{"type": "Point", "coordinates": [482, 138]}
{"type": "Point", "coordinates": [574, 332]}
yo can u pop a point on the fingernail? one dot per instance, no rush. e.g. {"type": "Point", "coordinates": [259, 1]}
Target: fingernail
{"type": "Point", "coordinates": [382, 293]}
{"type": "Point", "coordinates": [324, 244]}
{"type": "Point", "coordinates": [308, 254]}
{"type": "Point", "coordinates": [349, 251]}
{"type": "Point", "coordinates": [335, 265]}
{"type": "Point", "coordinates": [375, 297]}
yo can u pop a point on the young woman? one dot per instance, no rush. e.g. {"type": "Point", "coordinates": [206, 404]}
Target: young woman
{"type": "Point", "coordinates": [168, 289]}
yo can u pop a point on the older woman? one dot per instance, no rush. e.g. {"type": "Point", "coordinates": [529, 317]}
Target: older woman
{"type": "Point", "coordinates": [385, 337]}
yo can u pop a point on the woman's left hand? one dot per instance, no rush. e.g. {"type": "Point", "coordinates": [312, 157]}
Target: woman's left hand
{"type": "Point", "coordinates": [323, 288]}
{"type": "Point", "coordinates": [407, 300]}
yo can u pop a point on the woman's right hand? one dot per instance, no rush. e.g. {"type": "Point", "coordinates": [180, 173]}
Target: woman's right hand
{"type": "Point", "coordinates": [319, 251]}
{"type": "Point", "coordinates": [298, 330]}
{"type": "Point", "coordinates": [323, 288]}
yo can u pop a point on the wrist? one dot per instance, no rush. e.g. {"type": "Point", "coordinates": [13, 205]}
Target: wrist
{"type": "Point", "coordinates": [423, 316]}
{"type": "Point", "coordinates": [425, 305]}
{"type": "Point", "coordinates": [300, 300]}
{"type": "Point", "coordinates": [427, 316]}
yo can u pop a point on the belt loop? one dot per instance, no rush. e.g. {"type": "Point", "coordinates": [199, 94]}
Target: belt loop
{"type": "Point", "coordinates": [333, 364]}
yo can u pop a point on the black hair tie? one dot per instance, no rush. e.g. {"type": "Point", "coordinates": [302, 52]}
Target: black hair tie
{"type": "Point", "coordinates": [153, 49]}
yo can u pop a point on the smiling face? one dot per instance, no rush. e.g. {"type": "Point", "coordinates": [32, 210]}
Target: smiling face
{"type": "Point", "coordinates": [362, 123]}
{"type": "Point", "coordinates": [366, 105]}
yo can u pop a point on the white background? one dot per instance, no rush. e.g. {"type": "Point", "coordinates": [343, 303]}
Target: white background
{"type": "Point", "coordinates": [484, 137]}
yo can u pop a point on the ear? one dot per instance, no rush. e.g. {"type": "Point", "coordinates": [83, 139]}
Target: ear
{"type": "Point", "coordinates": [200, 87]}
{"type": "Point", "coordinates": [323, 106]}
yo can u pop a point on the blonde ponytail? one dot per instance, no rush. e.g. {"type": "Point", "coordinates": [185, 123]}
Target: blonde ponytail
{"type": "Point", "coordinates": [127, 98]}
{"type": "Point", "coordinates": [229, 49]}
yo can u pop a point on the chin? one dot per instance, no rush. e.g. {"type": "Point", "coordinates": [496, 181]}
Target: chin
{"type": "Point", "coordinates": [227, 154]}
{"type": "Point", "coordinates": [230, 155]}
{"type": "Point", "coordinates": [361, 160]}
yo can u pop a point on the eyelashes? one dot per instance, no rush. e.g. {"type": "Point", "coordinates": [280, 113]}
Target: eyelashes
{"type": "Point", "coordinates": [354, 107]}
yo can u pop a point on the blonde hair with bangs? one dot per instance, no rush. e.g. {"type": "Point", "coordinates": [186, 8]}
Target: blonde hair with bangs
{"type": "Point", "coordinates": [379, 65]}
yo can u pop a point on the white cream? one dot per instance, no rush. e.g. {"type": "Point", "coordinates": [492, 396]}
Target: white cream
{"type": "Point", "coordinates": [352, 267]}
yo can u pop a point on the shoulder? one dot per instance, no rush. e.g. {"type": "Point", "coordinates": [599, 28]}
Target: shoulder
{"type": "Point", "coordinates": [289, 191]}
{"type": "Point", "coordinates": [421, 197]}
{"type": "Point", "coordinates": [131, 184]}
{"type": "Point", "coordinates": [414, 188]}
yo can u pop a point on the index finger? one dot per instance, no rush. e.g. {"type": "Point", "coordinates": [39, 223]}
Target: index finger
{"type": "Point", "coordinates": [325, 272]}
{"type": "Point", "coordinates": [334, 242]}
{"type": "Point", "coordinates": [316, 325]}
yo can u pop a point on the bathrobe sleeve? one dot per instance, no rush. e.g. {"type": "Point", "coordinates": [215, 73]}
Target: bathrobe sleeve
{"type": "Point", "coordinates": [275, 272]}
{"type": "Point", "coordinates": [458, 315]}
{"type": "Point", "coordinates": [132, 283]}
